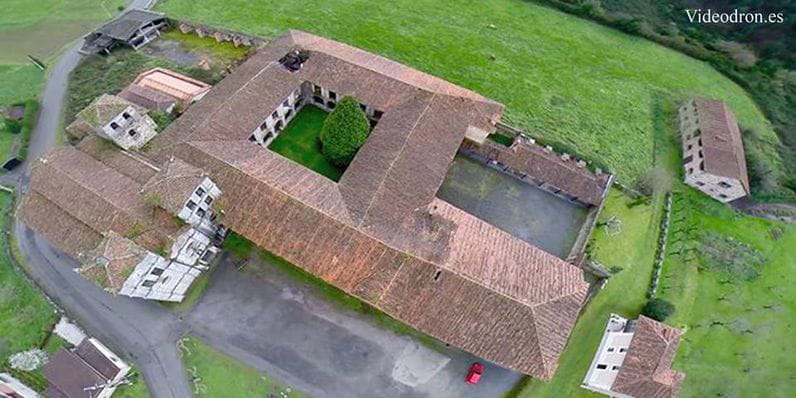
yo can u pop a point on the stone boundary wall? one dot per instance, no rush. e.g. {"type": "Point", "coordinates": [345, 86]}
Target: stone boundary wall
{"type": "Point", "coordinates": [660, 253]}
{"type": "Point", "coordinates": [221, 35]}
{"type": "Point", "coordinates": [582, 240]}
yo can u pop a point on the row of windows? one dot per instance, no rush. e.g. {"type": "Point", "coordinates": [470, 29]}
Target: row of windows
{"type": "Point", "coordinates": [603, 366]}
{"type": "Point", "coordinates": [612, 349]}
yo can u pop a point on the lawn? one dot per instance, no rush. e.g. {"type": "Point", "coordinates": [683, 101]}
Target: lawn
{"type": "Point", "coordinates": [226, 53]}
{"type": "Point", "coordinates": [299, 142]}
{"type": "Point", "coordinates": [215, 374]}
{"type": "Point", "coordinates": [738, 314]}
{"type": "Point", "coordinates": [568, 80]}
{"type": "Point", "coordinates": [43, 27]}
{"type": "Point", "coordinates": [624, 294]}
{"type": "Point", "coordinates": [25, 315]}
{"type": "Point", "coordinates": [137, 390]}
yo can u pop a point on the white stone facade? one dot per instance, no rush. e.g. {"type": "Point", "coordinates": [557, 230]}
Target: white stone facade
{"type": "Point", "coordinates": [198, 208]}
{"type": "Point", "coordinates": [723, 189]}
{"type": "Point", "coordinates": [129, 129]}
{"type": "Point", "coordinates": [609, 357]}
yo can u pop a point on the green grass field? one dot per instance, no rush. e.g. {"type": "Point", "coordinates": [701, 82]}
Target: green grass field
{"type": "Point", "coordinates": [25, 316]}
{"type": "Point", "coordinates": [739, 328]}
{"type": "Point", "coordinates": [624, 294]}
{"type": "Point", "coordinates": [561, 78]}
{"type": "Point", "coordinates": [215, 374]}
{"type": "Point", "coordinates": [299, 142]}
{"type": "Point", "coordinates": [41, 28]}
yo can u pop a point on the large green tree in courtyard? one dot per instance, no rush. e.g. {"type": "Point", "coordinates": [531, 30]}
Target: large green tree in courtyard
{"type": "Point", "coordinates": [344, 132]}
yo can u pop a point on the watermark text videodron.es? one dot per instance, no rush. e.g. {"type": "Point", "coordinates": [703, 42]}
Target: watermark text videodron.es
{"type": "Point", "coordinates": [709, 16]}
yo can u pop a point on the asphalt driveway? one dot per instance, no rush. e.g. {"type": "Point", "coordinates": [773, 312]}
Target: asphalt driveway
{"type": "Point", "coordinates": [283, 327]}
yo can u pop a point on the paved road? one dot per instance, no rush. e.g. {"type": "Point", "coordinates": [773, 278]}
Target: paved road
{"type": "Point", "coordinates": [139, 330]}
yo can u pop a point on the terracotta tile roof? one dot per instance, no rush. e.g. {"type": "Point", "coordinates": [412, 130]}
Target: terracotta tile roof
{"type": "Point", "coordinates": [112, 261]}
{"type": "Point", "coordinates": [131, 164]}
{"type": "Point", "coordinates": [173, 185]}
{"type": "Point", "coordinates": [721, 141]}
{"type": "Point", "coordinates": [99, 197]}
{"type": "Point", "coordinates": [171, 84]}
{"type": "Point", "coordinates": [147, 97]}
{"type": "Point", "coordinates": [647, 369]}
{"type": "Point", "coordinates": [546, 166]}
{"type": "Point", "coordinates": [60, 228]}
{"type": "Point", "coordinates": [379, 234]}
{"type": "Point", "coordinates": [480, 262]}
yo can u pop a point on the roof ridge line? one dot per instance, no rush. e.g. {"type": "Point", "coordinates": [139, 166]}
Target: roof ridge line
{"type": "Point", "coordinates": [377, 239]}
{"type": "Point", "coordinates": [392, 163]}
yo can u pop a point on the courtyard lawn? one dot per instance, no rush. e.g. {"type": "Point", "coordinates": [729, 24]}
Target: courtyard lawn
{"type": "Point", "coordinates": [632, 250]}
{"type": "Point", "coordinates": [215, 374]}
{"type": "Point", "coordinates": [25, 315]}
{"type": "Point", "coordinates": [562, 78]}
{"type": "Point", "coordinates": [299, 142]}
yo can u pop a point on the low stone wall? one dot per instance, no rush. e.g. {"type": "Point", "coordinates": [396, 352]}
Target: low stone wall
{"type": "Point", "coordinates": [221, 35]}
{"type": "Point", "coordinates": [582, 240]}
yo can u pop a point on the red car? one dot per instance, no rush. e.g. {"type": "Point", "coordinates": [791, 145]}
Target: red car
{"type": "Point", "coordinates": [475, 373]}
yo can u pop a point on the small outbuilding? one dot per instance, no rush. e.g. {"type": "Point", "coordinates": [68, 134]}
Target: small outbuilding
{"type": "Point", "coordinates": [134, 28]}
{"type": "Point", "coordinates": [183, 89]}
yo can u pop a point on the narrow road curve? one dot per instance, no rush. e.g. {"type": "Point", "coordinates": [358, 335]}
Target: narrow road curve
{"type": "Point", "coordinates": [141, 331]}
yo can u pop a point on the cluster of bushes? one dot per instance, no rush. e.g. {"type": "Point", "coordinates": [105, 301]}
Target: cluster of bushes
{"type": "Point", "coordinates": [658, 309]}
{"type": "Point", "coordinates": [765, 72]}
{"type": "Point", "coordinates": [344, 132]}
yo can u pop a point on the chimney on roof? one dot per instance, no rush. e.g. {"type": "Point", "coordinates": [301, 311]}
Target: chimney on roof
{"type": "Point", "coordinates": [581, 164]}
{"type": "Point", "coordinates": [565, 156]}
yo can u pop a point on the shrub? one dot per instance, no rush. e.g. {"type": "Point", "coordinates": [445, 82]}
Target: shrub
{"type": "Point", "coordinates": [658, 309]}
{"type": "Point", "coordinates": [344, 132]}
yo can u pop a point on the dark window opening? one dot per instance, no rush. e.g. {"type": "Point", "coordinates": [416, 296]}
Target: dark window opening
{"type": "Point", "coordinates": [293, 60]}
{"type": "Point", "coordinates": [200, 212]}
{"type": "Point", "coordinates": [126, 115]}
{"type": "Point", "coordinates": [697, 133]}
{"type": "Point", "coordinates": [316, 90]}
{"type": "Point", "coordinates": [700, 153]}
{"type": "Point", "coordinates": [275, 115]}
{"type": "Point", "coordinates": [209, 199]}
{"type": "Point", "coordinates": [602, 366]}
{"type": "Point", "coordinates": [331, 104]}
{"type": "Point", "coordinates": [200, 191]}
{"type": "Point", "coordinates": [191, 205]}
{"type": "Point", "coordinates": [611, 349]}
{"type": "Point", "coordinates": [264, 126]}
{"type": "Point", "coordinates": [702, 165]}
{"type": "Point", "coordinates": [132, 133]}
{"type": "Point", "coordinates": [332, 95]}
{"type": "Point", "coordinates": [377, 114]}
{"type": "Point", "coordinates": [363, 107]}
{"type": "Point", "coordinates": [279, 126]}
{"type": "Point", "coordinates": [148, 283]}
{"type": "Point", "coordinates": [317, 99]}
{"type": "Point", "coordinates": [724, 184]}
{"type": "Point", "coordinates": [623, 350]}
{"type": "Point", "coordinates": [157, 271]}
{"type": "Point", "coordinates": [688, 159]}
{"type": "Point", "coordinates": [286, 104]}
{"type": "Point", "coordinates": [437, 275]}
{"type": "Point", "coordinates": [723, 196]}
{"type": "Point", "coordinates": [114, 125]}
{"type": "Point", "coordinates": [268, 136]}
{"type": "Point", "coordinates": [614, 367]}
{"type": "Point", "coordinates": [700, 183]}
{"type": "Point", "coordinates": [690, 170]}
{"type": "Point", "coordinates": [288, 113]}
{"type": "Point", "coordinates": [252, 138]}
{"type": "Point", "coordinates": [689, 147]}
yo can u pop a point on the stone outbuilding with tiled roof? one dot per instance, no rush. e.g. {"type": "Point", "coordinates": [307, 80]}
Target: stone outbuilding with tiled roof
{"type": "Point", "coordinates": [634, 360]}
{"type": "Point", "coordinates": [116, 119]}
{"type": "Point", "coordinates": [713, 154]}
